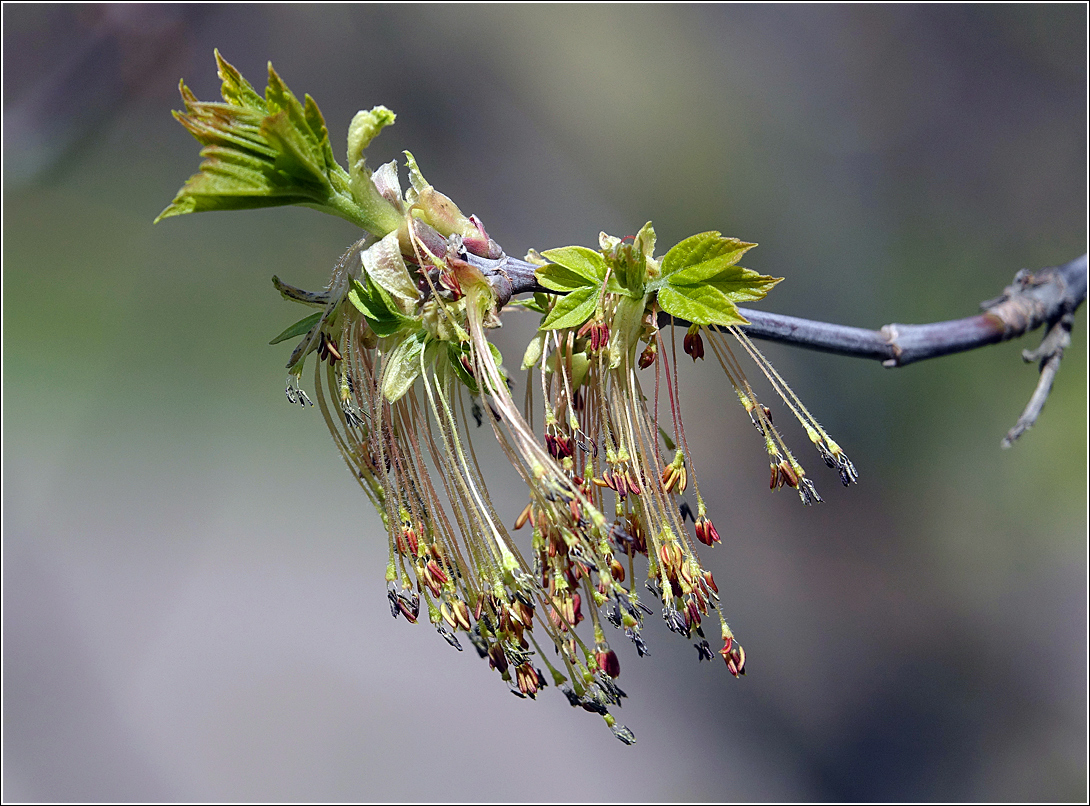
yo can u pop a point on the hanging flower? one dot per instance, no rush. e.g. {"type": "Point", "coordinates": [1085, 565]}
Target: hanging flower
{"type": "Point", "coordinates": [402, 355]}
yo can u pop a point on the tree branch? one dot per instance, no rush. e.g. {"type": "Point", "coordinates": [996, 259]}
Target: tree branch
{"type": "Point", "coordinates": [1049, 296]}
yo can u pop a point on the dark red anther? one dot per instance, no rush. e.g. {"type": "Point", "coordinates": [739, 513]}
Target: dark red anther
{"type": "Point", "coordinates": [647, 357]}
{"type": "Point", "coordinates": [705, 531]}
{"type": "Point", "coordinates": [607, 662]}
{"type": "Point", "coordinates": [734, 656]}
{"type": "Point", "coordinates": [710, 580]}
{"type": "Point", "coordinates": [496, 659]}
{"type": "Point", "coordinates": [448, 281]}
{"type": "Point", "coordinates": [788, 475]}
{"type": "Point", "coordinates": [577, 603]}
{"type": "Point", "coordinates": [407, 611]}
{"type": "Point", "coordinates": [527, 679]}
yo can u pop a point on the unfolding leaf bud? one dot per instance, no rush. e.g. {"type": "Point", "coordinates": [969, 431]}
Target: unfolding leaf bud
{"type": "Point", "coordinates": [608, 662]}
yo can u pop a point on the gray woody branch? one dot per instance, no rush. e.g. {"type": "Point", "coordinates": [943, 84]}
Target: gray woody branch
{"type": "Point", "coordinates": [1046, 297]}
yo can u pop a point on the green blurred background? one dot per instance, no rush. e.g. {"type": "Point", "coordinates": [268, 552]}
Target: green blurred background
{"type": "Point", "coordinates": [193, 596]}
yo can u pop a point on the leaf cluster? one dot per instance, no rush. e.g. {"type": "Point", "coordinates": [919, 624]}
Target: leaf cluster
{"type": "Point", "coordinates": [698, 280]}
{"type": "Point", "coordinates": [267, 151]}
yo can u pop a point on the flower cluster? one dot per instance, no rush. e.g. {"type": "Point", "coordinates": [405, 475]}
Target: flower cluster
{"type": "Point", "coordinates": [402, 362]}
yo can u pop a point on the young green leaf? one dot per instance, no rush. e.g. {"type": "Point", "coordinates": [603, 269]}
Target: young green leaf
{"type": "Point", "coordinates": [560, 278]}
{"type": "Point", "coordinates": [742, 285]}
{"type": "Point", "coordinates": [538, 304]}
{"type": "Point", "coordinates": [300, 328]}
{"type": "Point", "coordinates": [382, 313]}
{"type": "Point", "coordinates": [265, 152]}
{"type": "Point", "coordinates": [572, 309]}
{"type": "Point", "coordinates": [702, 256]}
{"type": "Point", "coordinates": [402, 367]}
{"type": "Point", "coordinates": [586, 263]}
{"type": "Point", "coordinates": [383, 263]}
{"type": "Point", "coordinates": [384, 208]}
{"type": "Point", "coordinates": [699, 304]}
{"type": "Point", "coordinates": [455, 353]}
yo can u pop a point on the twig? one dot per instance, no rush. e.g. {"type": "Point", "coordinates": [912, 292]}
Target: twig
{"type": "Point", "coordinates": [1049, 296]}
{"type": "Point", "coordinates": [1049, 353]}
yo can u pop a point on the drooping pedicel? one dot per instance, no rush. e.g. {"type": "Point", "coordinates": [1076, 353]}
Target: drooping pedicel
{"type": "Point", "coordinates": [402, 364]}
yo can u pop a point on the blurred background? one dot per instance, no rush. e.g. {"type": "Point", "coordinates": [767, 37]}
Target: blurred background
{"type": "Point", "coordinates": [194, 601]}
